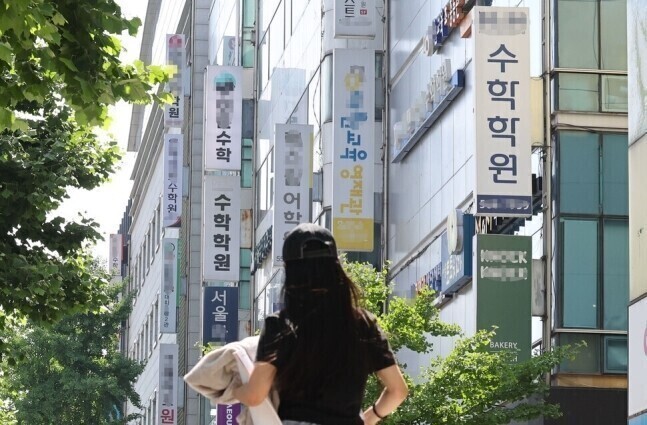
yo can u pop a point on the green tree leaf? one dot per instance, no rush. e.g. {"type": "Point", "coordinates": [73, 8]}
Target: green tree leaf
{"type": "Point", "coordinates": [60, 68]}
{"type": "Point", "coordinates": [471, 386]}
{"type": "Point", "coordinates": [75, 364]}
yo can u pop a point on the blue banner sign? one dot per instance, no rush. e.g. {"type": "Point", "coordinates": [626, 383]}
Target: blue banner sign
{"type": "Point", "coordinates": [220, 315]}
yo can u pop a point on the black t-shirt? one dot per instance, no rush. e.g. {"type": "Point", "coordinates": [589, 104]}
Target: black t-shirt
{"type": "Point", "coordinates": [341, 406]}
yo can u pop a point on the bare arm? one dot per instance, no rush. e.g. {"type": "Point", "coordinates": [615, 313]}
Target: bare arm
{"type": "Point", "coordinates": [394, 393]}
{"type": "Point", "coordinates": [260, 382]}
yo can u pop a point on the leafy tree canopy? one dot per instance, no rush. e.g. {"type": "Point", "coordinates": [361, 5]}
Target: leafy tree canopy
{"type": "Point", "coordinates": [60, 71]}
{"type": "Point", "coordinates": [69, 373]}
{"type": "Point", "coordinates": [471, 386]}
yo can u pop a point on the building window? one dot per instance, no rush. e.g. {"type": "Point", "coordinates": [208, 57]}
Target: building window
{"type": "Point", "coordinates": [263, 61]}
{"type": "Point", "coordinates": [142, 266]}
{"type": "Point", "coordinates": [580, 273]}
{"type": "Point", "coordinates": [588, 357]}
{"type": "Point", "coordinates": [267, 9]}
{"type": "Point", "coordinates": [615, 274]}
{"type": "Point", "coordinates": [265, 186]}
{"type": "Point", "coordinates": [380, 94]}
{"type": "Point", "coordinates": [593, 173]}
{"type": "Point", "coordinates": [147, 341]}
{"type": "Point", "coordinates": [248, 119]}
{"type": "Point", "coordinates": [592, 34]}
{"type": "Point", "coordinates": [297, 9]}
{"type": "Point", "coordinates": [594, 246]}
{"type": "Point", "coordinates": [244, 288]}
{"type": "Point", "coordinates": [249, 17]}
{"type": "Point", "coordinates": [591, 92]}
{"type": "Point", "coordinates": [326, 88]}
{"type": "Point", "coordinates": [156, 319]}
{"type": "Point", "coordinates": [160, 224]}
{"type": "Point", "coordinates": [151, 240]}
{"type": "Point", "coordinates": [277, 38]}
{"type": "Point", "coordinates": [616, 354]}
{"type": "Point", "coordinates": [247, 164]}
{"type": "Point", "coordinates": [602, 354]}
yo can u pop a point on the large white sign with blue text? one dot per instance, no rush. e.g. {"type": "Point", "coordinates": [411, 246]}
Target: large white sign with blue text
{"type": "Point", "coordinates": [221, 232]}
{"type": "Point", "coordinates": [502, 113]}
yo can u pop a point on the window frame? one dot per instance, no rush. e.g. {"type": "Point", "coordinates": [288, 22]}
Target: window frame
{"type": "Point", "coordinates": [604, 218]}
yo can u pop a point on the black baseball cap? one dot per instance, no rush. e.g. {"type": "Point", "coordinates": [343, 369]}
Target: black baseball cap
{"type": "Point", "coordinates": [308, 240]}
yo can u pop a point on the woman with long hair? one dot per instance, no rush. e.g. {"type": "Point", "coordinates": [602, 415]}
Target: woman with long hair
{"type": "Point", "coordinates": [319, 350]}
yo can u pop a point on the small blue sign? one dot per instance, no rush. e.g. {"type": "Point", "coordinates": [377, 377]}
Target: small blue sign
{"type": "Point", "coordinates": [457, 268]}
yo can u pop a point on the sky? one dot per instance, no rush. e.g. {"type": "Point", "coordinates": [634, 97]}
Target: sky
{"type": "Point", "coordinates": [107, 203]}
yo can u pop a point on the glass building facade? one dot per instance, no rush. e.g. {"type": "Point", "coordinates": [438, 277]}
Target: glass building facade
{"type": "Point", "coordinates": [589, 78]}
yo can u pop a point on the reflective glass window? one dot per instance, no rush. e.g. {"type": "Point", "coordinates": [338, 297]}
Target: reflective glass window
{"type": "Point", "coordinates": [579, 172]}
{"type": "Point", "coordinates": [578, 92]}
{"type": "Point", "coordinates": [244, 288]}
{"type": "Point", "coordinates": [248, 119]}
{"type": "Point", "coordinates": [380, 95]}
{"type": "Point", "coordinates": [615, 274]}
{"type": "Point", "coordinates": [580, 273]}
{"type": "Point", "coordinates": [247, 168]}
{"type": "Point", "coordinates": [578, 34]}
{"type": "Point", "coordinates": [615, 93]}
{"type": "Point", "coordinates": [267, 11]}
{"type": "Point", "coordinates": [326, 89]}
{"type": "Point", "coordinates": [277, 38]}
{"type": "Point", "coordinates": [613, 34]}
{"type": "Point", "coordinates": [588, 357]}
{"type": "Point", "coordinates": [262, 67]}
{"type": "Point", "coordinates": [249, 13]}
{"type": "Point", "coordinates": [615, 174]}
{"type": "Point", "coordinates": [314, 95]}
{"type": "Point", "coordinates": [616, 354]}
{"type": "Point", "coordinates": [248, 48]}
{"type": "Point", "coordinates": [298, 6]}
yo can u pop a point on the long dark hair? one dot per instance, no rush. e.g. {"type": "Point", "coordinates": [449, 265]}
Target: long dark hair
{"type": "Point", "coordinates": [320, 304]}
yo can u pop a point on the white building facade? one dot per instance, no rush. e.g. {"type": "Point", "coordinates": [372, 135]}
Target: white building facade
{"type": "Point", "coordinates": [438, 135]}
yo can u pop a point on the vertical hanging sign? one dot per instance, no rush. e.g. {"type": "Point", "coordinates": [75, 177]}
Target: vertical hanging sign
{"type": "Point", "coordinates": [502, 112]}
{"type": "Point", "coordinates": [354, 19]}
{"type": "Point", "coordinates": [220, 315]}
{"type": "Point", "coordinates": [169, 286]}
{"type": "Point", "coordinates": [353, 148]}
{"type": "Point", "coordinates": [292, 182]}
{"type": "Point", "coordinates": [116, 253]}
{"type": "Point", "coordinates": [175, 58]}
{"type": "Point", "coordinates": [172, 197]}
{"type": "Point", "coordinates": [503, 289]}
{"type": "Point", "coordinates": [168, 376]}
{"type": "Point", "coordinates": [221, 228]}
{"type": "Point", "coordinates": [223, 123]}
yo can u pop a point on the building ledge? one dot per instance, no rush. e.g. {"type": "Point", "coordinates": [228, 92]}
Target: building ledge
{"type": "Point", "coordinates": [589, 381]}
{"type": "Point", "coordinates": [595, 121]}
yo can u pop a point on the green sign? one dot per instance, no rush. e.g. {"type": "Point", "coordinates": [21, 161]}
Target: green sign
{"type": "Point", "coordinates": [503, 279]}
